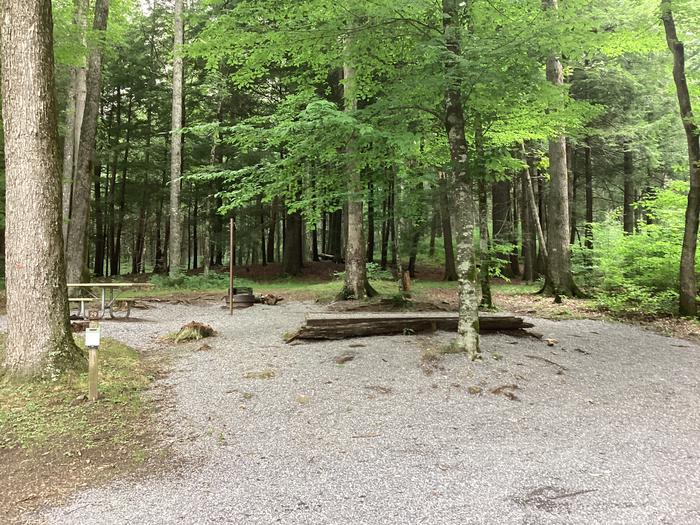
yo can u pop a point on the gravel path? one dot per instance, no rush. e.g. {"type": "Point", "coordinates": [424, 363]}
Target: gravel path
{"type": "Point", "coordinates": [603, 427]}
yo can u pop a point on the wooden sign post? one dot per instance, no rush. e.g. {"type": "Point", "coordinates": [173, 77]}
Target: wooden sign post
{"type": "Point", "coordinates": [92, 342]}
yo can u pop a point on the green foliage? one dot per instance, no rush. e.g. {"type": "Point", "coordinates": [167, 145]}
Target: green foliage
{"type": "Point", "coordinates": [639, 273]}
{"type": "Point", "coordinates": [374, 273]}
{"type": "Point", "coordinates": [213, 281]}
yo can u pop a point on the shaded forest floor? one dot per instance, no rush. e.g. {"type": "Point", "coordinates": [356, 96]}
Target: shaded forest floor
{"type": "Point", "coordinates": [320, 282]}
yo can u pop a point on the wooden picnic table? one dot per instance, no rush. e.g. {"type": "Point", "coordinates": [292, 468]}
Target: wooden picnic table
{"type": "Point", "coordinates": [108, 297]}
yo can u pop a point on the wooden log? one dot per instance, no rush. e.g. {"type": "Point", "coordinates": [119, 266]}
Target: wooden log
{"type": "Point", "coordinates": [334, 326]}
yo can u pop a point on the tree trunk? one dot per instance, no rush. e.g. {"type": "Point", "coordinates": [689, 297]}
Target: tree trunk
{"type": "Point", "coordinates": [386, 232]}
{"type": "Point", "coordinates": [527, 220]}
{"type": "Point", "coordinates": [356, 284]}
{"type": "Point", "coordinates": [175, 247]}
{"type": "Point", "coordinates": [573, 193]}
{"type": "Point", "coordinates": [628, 219]}
{"type": "Point", "coordinates": [450, 268]}
{"type": "Point", "coordinates": [76, 244]}
{"type": "Point", "coordinates": [39, 339]}
{"type": "Point", "coordinates": [271, 231]}
{"type": "Point", "coordinates": [688, 280]}
{"type": "Point", "coordinates": [99, 224]}
{"type": "Point", "coordinates": [336, 236]}
{"type": "Point", "coordinates": [588, 171]}
{"type": "Point", "coordinates": [74, 116]}
{"type": "Point", "coordinates": [370, 223]}
{"type": "Point", "coordinates": [502, 223]}
{"type": "Point", "coordinates": [293, 249]}
{"type": "Point", "coordinates": [484, 278]}
{"type": "Point", "coordinates": [468, 328]}
{"type": "Point", "coordinates": [560, 279]}
{"type": "Point", "coordinates": [159, 265]}
{"type": "Point", "coordinates": [116, 257]}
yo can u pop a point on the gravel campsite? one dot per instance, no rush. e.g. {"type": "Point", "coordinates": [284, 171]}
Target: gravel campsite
{"type": "Point", "coordinates": [600, 427]}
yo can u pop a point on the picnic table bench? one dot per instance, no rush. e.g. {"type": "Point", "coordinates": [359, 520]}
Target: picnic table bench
{"type": "Point", "coordinates": [108, 297]}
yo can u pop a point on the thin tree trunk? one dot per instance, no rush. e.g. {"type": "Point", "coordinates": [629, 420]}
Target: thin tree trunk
{"type": "Point", "coordinates": [74, 116]}
{"type": "Point", "coordinates": [271, 231]}
{"type": "Point", "coordinates": [588, 172]}
{"type": "Point", "coordinates": [175, 247]}
{"type": "Point", "coordinates": [502, 223]}
{"type": "Point", "coordinates": [370, 223]}
{"type": "Point", "coordinates": [529, 236]}
{"type": "Point", "coordinates": [560, 279]}
{"type": "Point", "coordinates": [99, 224]}
{"type": "Point", "coordinates": [468, 328]}
{"type": "Point", "coordinates": [688, 280]}
{"type": "Point", "coordinates": [450, 268]}
{"type": "Point", "coordinates": [76, 245]}
{"type": "Point", "coordinates": [486, 297]}
{"type": "Point", "coordinates": [386, 232]}
{"type": "Point", "coordinates": [628, 220]}
{"type": "Point", "coordinates": [39, 339]}
{"type": "Point", "coordinates": [159, 265]}
{"type": "Point", "coordinates": [122, 194]}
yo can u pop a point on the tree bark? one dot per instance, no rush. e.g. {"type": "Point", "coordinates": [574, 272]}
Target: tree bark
{"type": "Point", "coordinates": [560, 280]}
{"type": "Point", "coordinates": [688, 279]}
{"type": "Point", "coordinates": [76, 244]}
{"type": "Point", "coordinates": [502, 223]}
{"type": "Point", "coordinates": [628, 192]}
{"type": "Point", "coordinates": [39, 339]}
{"type": "Point", "coordinates": [468, 328]}
{"type": "Point", "coordinates": [175, 247]}
{"type": "Point", "coordinates": [293, 250]}
{"type": "Point", "coordinates": [527, 220]}
{"type": "Point", "coordinates": [74, 116]}
{"type": "Point", "coordinates": [356, 284]}
{"type": "Point", "coordinates": [588, 173]}
{"type": "Point", "coordinates": [370, 223]}
{"type": "Point", "coordinates": [445, 208]}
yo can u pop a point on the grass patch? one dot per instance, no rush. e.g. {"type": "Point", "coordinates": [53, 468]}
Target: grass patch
{"type": "Point", "coordinates": [45, 414]}
{"type": "Point", "coordinates": [52, 444]}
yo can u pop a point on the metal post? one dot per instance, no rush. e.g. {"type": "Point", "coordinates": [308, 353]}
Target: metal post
{"type": "Point", "coordinates": [232, 252]}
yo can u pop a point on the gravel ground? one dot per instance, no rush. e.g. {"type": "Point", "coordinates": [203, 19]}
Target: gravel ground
{"type": "Point", "coordinates": [603, 427]}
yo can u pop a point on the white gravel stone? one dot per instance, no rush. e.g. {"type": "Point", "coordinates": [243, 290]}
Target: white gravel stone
{"type": "Point", "coordinates": [614, 438]}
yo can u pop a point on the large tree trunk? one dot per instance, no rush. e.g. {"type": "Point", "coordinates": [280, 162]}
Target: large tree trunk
{"type": "Point", "coordinates": [293, 248]}
{"type": "Point", "coordinates": [688, 280]}
{"type": "Point", "coordinates": [175, 247]}
{"type": "Point", "coordinates": [356, 285]}
{"type": "Point", "coordinates": [560, 280]}
{"type": "Point", "coordinates": [39, 341]}
{"type": "Point", "coordinates": [468, 328]}
{"type": "Point", "coordinates": [74, 116]}
{"type": "Point", "coordinates": [76, 243]}
{"type": "Point", "coordinates": [443, 188]}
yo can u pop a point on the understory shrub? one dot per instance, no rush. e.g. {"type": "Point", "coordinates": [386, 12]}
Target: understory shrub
{"type": "Point", "coordinates": [638, 273]}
